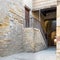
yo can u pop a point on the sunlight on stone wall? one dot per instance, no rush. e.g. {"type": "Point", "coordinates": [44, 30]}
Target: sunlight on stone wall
{"type": "Point", "coordinates": [33, 40]}
{"type": "Point", "coordinates": [14, 38]}
{"type": "Point", "coordinates": [11, 27]}
{"type": "Point", "coordinates": [58, 32]}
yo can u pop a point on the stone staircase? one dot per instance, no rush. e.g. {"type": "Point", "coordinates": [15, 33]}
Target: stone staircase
{"type": "Point", "coordinates": [19, 39]}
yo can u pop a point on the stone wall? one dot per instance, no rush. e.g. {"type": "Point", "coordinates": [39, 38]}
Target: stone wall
{"type": "Point", "coordinates": [40, 4]}
{"type": "Point", "coordinates": [14, 38]}
{"type": "Point", "coordinates": [13, 41]}
{"type": "Point", "coordinates": [11, 27]}
{"type": "Point", "coordinates": [33, 40]}
{"type": "Point", "coordinates": [58, 32]}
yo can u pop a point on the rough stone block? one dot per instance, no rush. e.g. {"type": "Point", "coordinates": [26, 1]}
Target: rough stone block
{"type": "Point", "coordinates": [33, 40]}
{"type": "Point", "coordinates": [38, 40]}
{"type": "Point", "coordinates": [28, 40]}
{"type": "Point", "coordinates": [13, 42]}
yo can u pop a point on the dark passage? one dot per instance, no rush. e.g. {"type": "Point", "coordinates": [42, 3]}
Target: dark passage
{"type": "Point", "coordinates": [50, 25]}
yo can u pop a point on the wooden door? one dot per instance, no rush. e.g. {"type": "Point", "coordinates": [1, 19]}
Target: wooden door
{"type": "Point", "coordinates": [26, 17]}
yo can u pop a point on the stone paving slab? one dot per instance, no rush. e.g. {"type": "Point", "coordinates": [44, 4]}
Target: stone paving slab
{"type": "Point", "coordinates": [48, 54]}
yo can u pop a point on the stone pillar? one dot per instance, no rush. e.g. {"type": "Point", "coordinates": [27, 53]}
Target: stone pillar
{"type": "Point", "coordinates": [58, 32]}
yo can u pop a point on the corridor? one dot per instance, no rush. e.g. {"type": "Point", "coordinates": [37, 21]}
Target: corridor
{"type": "Point", "coordinates": [48, 54]}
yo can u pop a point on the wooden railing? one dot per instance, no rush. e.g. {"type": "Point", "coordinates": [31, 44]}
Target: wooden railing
{"type": "Point", "coordinates": [37, 24]}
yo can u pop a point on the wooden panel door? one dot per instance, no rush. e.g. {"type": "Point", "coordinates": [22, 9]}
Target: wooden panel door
{"type": "Point", "coordinates": [26, 17]}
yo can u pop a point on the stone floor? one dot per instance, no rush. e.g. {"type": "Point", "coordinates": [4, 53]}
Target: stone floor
{"type": "Point", "coordinates": [48, 54]}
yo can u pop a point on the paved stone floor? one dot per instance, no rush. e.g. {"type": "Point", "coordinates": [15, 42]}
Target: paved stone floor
{"type": "Point", "coordinates": [48, 54]}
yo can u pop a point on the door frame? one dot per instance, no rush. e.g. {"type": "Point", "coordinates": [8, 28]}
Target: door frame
{"type": "Point", "coordinates": [27, 22]}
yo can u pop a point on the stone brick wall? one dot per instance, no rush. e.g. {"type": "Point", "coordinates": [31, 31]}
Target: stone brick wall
{"type": "Point", "coordinates": [14, 38]}
{"type": "Point", "coordinates": [33, 40]}
{"type": "Point", "coordinates": [58, 32]}
{"type": "Point", "coordinates": [40, 4]}
{"type": "Point", "coordinates": [13, 42]}
{"type": "Point", "coordinates": [11, 27]}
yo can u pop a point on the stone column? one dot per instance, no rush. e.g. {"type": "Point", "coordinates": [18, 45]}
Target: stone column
{"type": "Point", "coordinates": [58, 32]}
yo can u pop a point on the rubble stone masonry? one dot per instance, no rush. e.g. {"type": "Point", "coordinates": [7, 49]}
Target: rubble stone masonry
{"type": "Point", "coordinates": [11, 27]}
{"type": "Point", "coordinates": [14, 38]}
